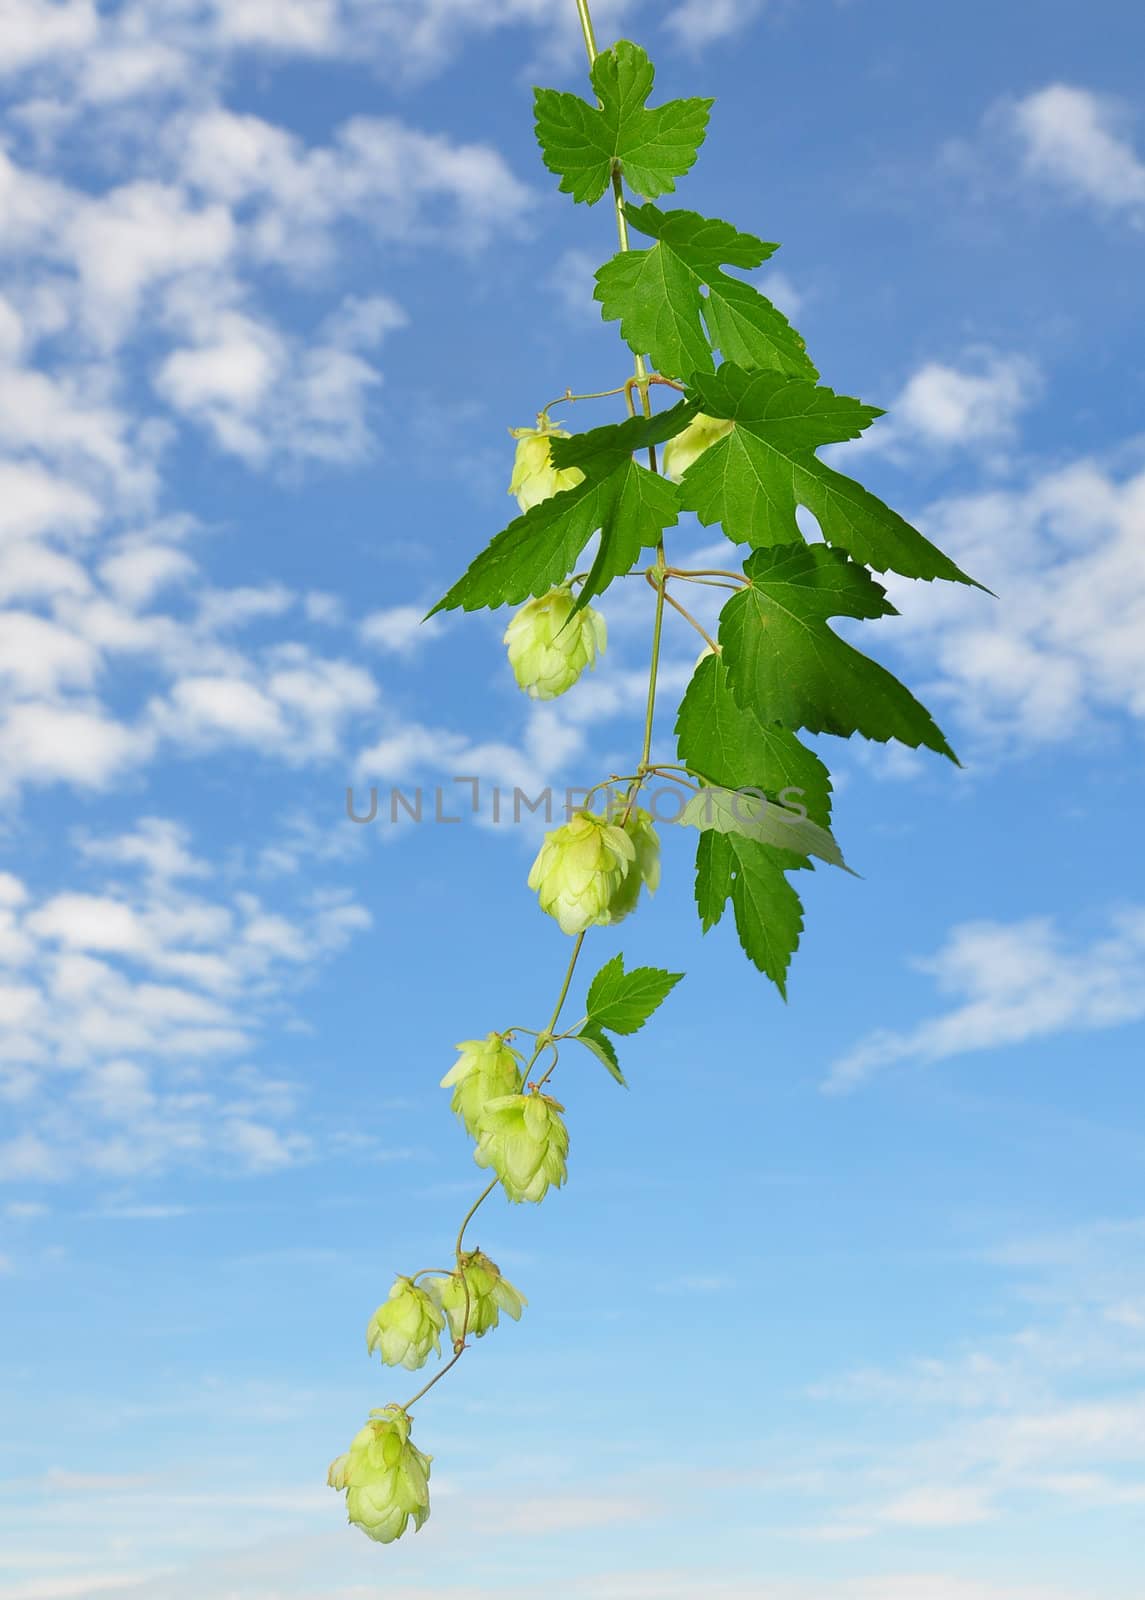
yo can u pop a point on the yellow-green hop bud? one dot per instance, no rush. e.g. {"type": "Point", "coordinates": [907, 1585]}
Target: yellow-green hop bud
{"type": "Point", "coordinates": [645, 869]}
{"type": "Point", "coordinates": [534, 476]}
{"type": "Point", "coordinates": [702, 432]}
{"type": "Point", "coordinates": [386, 1478]}
{"type": "Point", "coordinates": [405, 1328]}
{"type": "Point", "coordinates": [474, 1298]}
{"type": "Point", "coordinates": [579, 870]}
{"type": "Point", "coordinates": [523, 1139]}
{"type": "Point", "coordinates": [485, 1069]}
{"type": "Point", "coordinates": [549, 647]}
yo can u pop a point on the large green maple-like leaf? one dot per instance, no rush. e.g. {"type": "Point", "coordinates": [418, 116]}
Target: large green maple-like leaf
{"type": "Point", "coordinates": [729, 744]}
{"type": "Point", "coordinates": [665, 297]}
{"type": "Point", "coordinates": [752, 480]}
{"type": "Point", "coordinates": [628, 504]}
{"type": "Point", "coordinates": [784, 661]}
{"type": "Point", "coordinates": [768, 911]}
{"type": "Point", "coordinates": [584, 144]}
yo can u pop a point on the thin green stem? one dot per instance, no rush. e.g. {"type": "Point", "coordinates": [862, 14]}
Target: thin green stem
{"type": "Point", "coordinates": [688, 617]}
{"type": "Point", "coordinates": [437, 1377]}
{"type": "Point", "coordinates": [695, 574]}
{"type": "Point", "coordinates": [587, 29]}
{"type": "Point", "coordinates": [598, 394]}
{"type": "Point", "coordinates": [472, 1212]}
{"type": "Point", "coordinates": [564, 994]}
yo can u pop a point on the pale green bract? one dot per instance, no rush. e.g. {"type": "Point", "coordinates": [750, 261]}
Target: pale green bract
{"type": "Point", "coordinates": [580, 869]}
{"type": "Point", "coordinates": [700, 434]}
{"type": "Point", "coordinates": [590, 871]}
{"type": "Point", "coordinates": [405, 1329]}
{"type": "Point", "coordinates": [551, 643]}
{"type": "Point", "coordinates": [485, 1069]}
{"type": "Point", "coordinates": [474, 1297]}
{"type": "Point", "coordinates": [524, 1140]}
{"type": "Point", "coordinates": [534, 476]}
{"type": "Point", "coordinates": [645, 869]}
{"type": "Point", "coordinates": [386, 1478]}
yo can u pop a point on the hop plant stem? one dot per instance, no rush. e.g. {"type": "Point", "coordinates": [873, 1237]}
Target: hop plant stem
{"type": "Point", "coordinates": [657, 576]}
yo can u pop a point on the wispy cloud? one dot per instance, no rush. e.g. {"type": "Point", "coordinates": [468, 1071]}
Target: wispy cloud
{"type": "Point", "coordinates": [1010, 983]}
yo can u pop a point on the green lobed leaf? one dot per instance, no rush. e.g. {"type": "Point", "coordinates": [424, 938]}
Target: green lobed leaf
{"type": "Point", "coordinates": [752, 480]}
{"type": "Point", "coordinates": [658, 297]}
{"type": "Point", "coordinates": [603, 1049]}
{"type": "Point", "coordinates": [729, 744]}
{"type": "Point", "coordinates": [783, 659]}
{"type": "Point", "coordinates": [585, 144]}
{"type": "Point", "coordinates": [623, 1001]}
{"type": "Point", "coordinates": [628, 504]}
{"type": "Point", "coordinates": [754, 816]}
{"type": "Point", "coordinates": [768, 911]}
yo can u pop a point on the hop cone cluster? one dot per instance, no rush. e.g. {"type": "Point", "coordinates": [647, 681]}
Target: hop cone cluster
{"type": "Point", "coordinates": [524, 1140]}
{"type": "Point", "coordinates": [405, 1329]}
{"type": "Point", "coordinates": [474, 1298]}
{"type": "Point", "coordinates": [485, 1070]}
{"type": "Point", "coordinates": [534, 476]}
{"type": "Point", "coordinates": [688, 445]}
{"type": "Point", "coordinates": [550, 646]}
{"type": "Point", "coordinates": [386, 1478]}
{"type": "Point", "coordinates": [589, 871]}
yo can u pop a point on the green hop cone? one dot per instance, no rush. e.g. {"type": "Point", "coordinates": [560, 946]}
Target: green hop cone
{"type": "Point", "coordinates": [405, 1328]}
{"type": "Point", "coordinates": [645, 868]}
{"type": "Point", "coordinates": [580, 869]}
{"type": "Point", "coordinates": [386, 1478]}
{"type": "Point", "coordinates": [534, 476]}
{"type": "Point", "coordinates": [701, 433]}
{"type": "Point", "coordinates": [549, 646]}
{"type": "Point", "coordinates": [524, 1140]}
{"type": "Point", "coordinates": [486, 1068]}
{"type": "Point", "coordinates": [488, 1295]}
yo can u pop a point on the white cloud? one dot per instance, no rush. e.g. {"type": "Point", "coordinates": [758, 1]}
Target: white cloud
{"type": "Point", "coordinates": [43, 743]}
{"type": "Point", "coordinates": [399, 629]}
{"type": "Point", "coordinates": [781, 291]}
{"type": "Point", "coordinates": [31, 30]}
{"type": "Point", "coordinates": [699, 22]}
{"type": "Point", "coordinates": [131, 1005]}
{"type": "Point", "coordinates": [1013, 982]}
{"type": "Point", "coordinates": [298, 708]}
{"type": "Point", "coordinates": [975, 406]}
{"type": "Point", "coordinates": [400, 181]}
{"type": "Point", "coordinates": [33, 501]}
{"type": "Point", "coordinates": [1078, 140]}
{"type": "Point", "coordinates": [157, 845]}
{"type": "Point", "coordinates": [1064, 642]}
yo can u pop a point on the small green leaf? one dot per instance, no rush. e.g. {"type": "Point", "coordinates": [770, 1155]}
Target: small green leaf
{"type": "Point", "coordinates": [754, 816]}
{"type": "Point", "coordinates": [768, 911]}
{"type": "Point", "coordinates": [629, 505]}
{"type": "Point", "coordinates": [753, 480]}
{"type": "Point", "coordinates": [623, 1001]}
{"type": "Point", "coordinates": [585, 144]}
{"type": "Point", "coordinates": [783, 659]}
{"type": "Point", "coordinates": [728, 744]}
{"type": "Point", "coordinates": [603, 1049]}
{"type": "Point", "coordinates": [665, 296]}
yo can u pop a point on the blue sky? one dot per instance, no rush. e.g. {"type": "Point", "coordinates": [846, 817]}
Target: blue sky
{"type": "Point", "coordinates": [845, 1300]}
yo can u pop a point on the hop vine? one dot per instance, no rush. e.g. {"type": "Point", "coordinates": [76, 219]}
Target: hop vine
{"type": "Point", "coordinates": [737, 447]}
